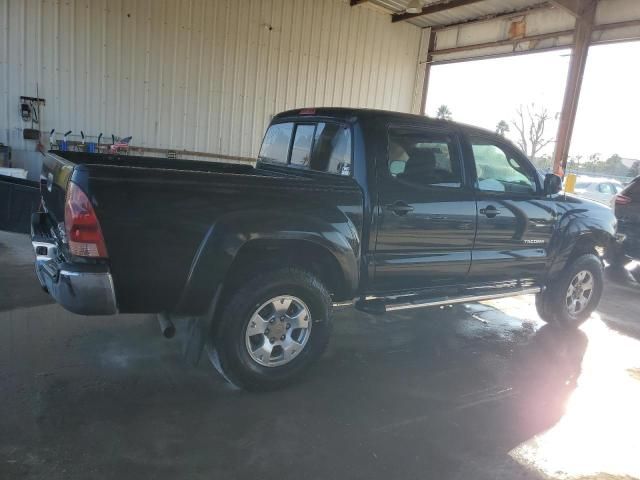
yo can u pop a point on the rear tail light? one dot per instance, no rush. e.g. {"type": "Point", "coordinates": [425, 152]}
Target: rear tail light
{"type": "Point", "coordinates": [622, 199]}
{"type": "Point", "coordinates": [81, 223]}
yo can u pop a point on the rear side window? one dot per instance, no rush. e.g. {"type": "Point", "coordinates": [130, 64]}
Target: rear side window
{"type": "Point", "coordinates": [275, 146]}
{"type": "Point", "coordinates": [423, 158]}
{"type": "Point", "coordinates": [319, 146]}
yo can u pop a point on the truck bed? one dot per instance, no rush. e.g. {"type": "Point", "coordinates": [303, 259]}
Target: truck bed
{"type": "Point", "coordinates": [156, 213]}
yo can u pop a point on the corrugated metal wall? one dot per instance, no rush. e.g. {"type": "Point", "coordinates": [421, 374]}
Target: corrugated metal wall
{"type": "Point", "coordinates": [202, 75]}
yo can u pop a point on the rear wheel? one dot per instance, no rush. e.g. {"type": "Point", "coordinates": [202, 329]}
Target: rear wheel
{"type": "Point", "coordinates": [573, 297]}
{"type": "Point", "coordinates": [272, 329]}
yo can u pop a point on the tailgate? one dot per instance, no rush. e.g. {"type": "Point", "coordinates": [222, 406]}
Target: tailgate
{"type": "Point", "coordinates": [54, 179]}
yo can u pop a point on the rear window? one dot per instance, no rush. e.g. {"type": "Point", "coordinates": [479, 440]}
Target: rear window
{"type": "Point", "coordinates": [275, 146]}
{"type": "Point", "coordinates": [319, 146]}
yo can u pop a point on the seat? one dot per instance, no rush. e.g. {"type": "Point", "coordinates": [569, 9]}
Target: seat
{"type": "Point", "coordinates": [420, 168]}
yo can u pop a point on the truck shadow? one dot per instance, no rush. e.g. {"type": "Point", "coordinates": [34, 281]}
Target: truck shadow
{"type": "Point", "coordinates": [449, 391]}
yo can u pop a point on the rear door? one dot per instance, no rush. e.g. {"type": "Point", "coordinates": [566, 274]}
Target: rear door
{"type": "Point", "coordinates": [426, 211]}
{"type": "Point", "coordinates": [515, 220]}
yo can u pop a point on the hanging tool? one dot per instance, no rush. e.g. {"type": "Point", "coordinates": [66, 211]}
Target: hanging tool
{"type": "Point", "coordinates": [30, 111]}
{"type": "Point", "coordinates": [52, 139]}
{"type": "Point", "coordinates": [39, 145]}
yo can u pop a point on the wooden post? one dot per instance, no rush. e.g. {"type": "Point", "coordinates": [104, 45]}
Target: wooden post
{"type": "Point", "coordinates": [582, 39]}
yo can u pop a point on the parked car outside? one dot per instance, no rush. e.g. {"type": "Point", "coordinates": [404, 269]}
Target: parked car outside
{"type": "Point", "coordinates": [599, 189]}
{"type": "Point", "coordinates": [626, 205]}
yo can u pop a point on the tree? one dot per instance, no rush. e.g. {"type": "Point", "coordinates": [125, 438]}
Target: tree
{"type": "Point", "coordinates": [634, 171]}
{"type": "Point", "coordinates": [444, 113]}
{"type": "Point", "coordinates": [502, 127]}
{"type": "Point", "coordinates": [614, 166]}
{"type": "Point", "coordinates": [530, 123]}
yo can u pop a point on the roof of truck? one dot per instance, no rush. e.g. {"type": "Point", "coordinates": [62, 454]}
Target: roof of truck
{"type": "Point", "coordinates": [382, 115]}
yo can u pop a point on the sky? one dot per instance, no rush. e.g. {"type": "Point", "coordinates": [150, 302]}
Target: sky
{"type": "Point", "coordinates": [483, 92]}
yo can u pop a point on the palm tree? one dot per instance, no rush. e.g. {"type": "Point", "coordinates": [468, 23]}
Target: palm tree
{"type": "Point", "coordinates": [444, 113]}
{"type": "Point", "coordinates": [502, 127]}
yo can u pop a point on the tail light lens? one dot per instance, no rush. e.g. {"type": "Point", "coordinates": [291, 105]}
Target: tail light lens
{"type": "Point", "coordinates": [622, 199]}
{"type": "Point", "coordinates": [81, 223]}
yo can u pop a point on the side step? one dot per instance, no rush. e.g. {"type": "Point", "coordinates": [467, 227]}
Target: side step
{"type": "Point", "coordinates": [382, 305]}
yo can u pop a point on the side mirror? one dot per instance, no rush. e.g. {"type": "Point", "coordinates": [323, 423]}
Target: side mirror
{"type": "Point", "coordinates": [552, 184]}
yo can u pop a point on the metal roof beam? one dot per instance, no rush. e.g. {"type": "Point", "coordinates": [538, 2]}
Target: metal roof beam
{"type": "Point", "coordinates": [495, 16]}
{"type": "Point", "coordinates": [436, 7]}
{"type": "Point", "coordinates": [574, 7]}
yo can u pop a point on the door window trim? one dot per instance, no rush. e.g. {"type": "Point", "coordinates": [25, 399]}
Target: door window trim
{"type": "Point", "coordinates": [456, 142]}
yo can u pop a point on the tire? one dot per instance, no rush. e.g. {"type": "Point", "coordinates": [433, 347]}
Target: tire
{"type": "Point", "coordinates": [238, 353]}
{"type": "Point", "coordinates": [555, 305]}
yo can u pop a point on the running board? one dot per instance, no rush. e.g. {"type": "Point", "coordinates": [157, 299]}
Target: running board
{"type": "Point", "coordinates": [379, 305]}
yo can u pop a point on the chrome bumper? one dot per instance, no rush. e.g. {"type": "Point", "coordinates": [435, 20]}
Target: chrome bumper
{"type": "Point", "coordinates": [82, 289]}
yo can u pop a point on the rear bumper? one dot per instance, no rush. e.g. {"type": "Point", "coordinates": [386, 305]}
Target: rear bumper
{"type": "Point", "coordinates": [82, 289]}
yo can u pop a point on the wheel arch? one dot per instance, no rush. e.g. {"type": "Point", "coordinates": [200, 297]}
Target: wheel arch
{"type": "Point", "coordinates": [272, 253]}
{"type": "Point", "coordinates": [228, 251]}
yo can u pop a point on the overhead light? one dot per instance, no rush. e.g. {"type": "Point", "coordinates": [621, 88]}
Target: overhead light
{"type": "Point", "coordinates": [414, 6]}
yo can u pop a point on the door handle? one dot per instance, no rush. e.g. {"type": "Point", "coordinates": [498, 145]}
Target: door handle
{"type": "Point", "coordinates": [490, 211]}
{"type": "Point", "coordinates": [400, 208]}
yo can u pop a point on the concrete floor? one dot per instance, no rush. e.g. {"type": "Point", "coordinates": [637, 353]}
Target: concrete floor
{"type": "Point", "coordinates": [480, 391]}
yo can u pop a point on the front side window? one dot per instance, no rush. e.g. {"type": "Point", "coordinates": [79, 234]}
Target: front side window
{"type": "Point", "coordinates": [275, 146]}
{"type": "Point", "coordinates": [499, 170]}
{"type": "Point", "coordinates": [422, 158]}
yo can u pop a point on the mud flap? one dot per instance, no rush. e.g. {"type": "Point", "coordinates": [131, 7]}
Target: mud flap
{"type": "Point", "coordinates": [199, 332]}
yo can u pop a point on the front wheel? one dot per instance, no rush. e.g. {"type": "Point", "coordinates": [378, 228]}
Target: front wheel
{"type": "Point", "coordinates": [272, 328]}
{"type": "Point", "coordinates": [573, 297]}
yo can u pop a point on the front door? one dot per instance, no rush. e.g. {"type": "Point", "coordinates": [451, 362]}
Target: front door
{"type": "Point", "coordinates": [515, 220]}
{"type": "Point", "coordinates": [426, 212]}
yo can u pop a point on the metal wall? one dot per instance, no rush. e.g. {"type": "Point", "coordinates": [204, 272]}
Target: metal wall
{"type": "Point", "coordinates": [202, 75]}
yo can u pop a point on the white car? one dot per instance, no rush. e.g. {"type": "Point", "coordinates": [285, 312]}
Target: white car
{"type": "Point", "coordinates": [599, 189]}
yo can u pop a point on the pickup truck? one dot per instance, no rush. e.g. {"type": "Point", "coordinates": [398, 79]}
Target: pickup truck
{"type": "Point", "coordinates": [386, 210]}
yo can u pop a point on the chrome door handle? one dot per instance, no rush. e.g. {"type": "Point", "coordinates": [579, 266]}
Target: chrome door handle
{"type": "Point", "coordinates": [490, 211]}
{"type": "Point", "coordinates": [400, 208]}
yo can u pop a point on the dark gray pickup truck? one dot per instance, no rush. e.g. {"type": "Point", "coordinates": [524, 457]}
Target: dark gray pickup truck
{"type": "Point", "coordinates": [386, 210]}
